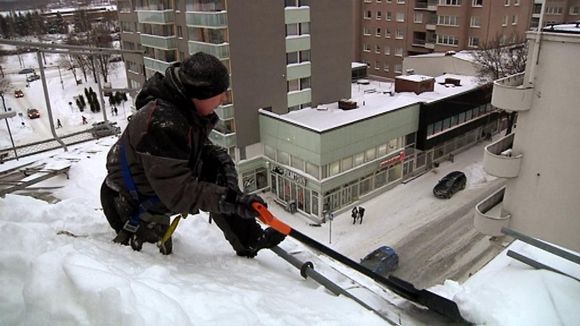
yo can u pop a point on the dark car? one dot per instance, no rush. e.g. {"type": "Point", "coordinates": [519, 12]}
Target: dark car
{"type": "Point", "coordinates": [26, 71]}
{"type": "Point", "coordinates": [32, 78]}
{"type": "Point", "coordinates": [18, 93]}
{"type": "Point", "coordinates": [33, 113]}
{"type": "Point", "coordinates": [450, 184]}
{"type": "Point", "coordinates": [382, 260]}
{"type": "Point", "coordinates": [105, 128]}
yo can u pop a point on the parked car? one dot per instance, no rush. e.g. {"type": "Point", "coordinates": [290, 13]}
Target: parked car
{"type": "Point", "coordinates": [26, 71]}
{"type": "Point", "coordinates": [450, 184]}
{"type": "Point", "coordinates": [33, 113]}
{"type": "Point", "coordinates": [105, 128]}
{"type": "Point", "coordinates": [18, 93]}
{"type": "Point", "coordinates": [382, 261]}
{"type": "Point", "coordinates": [32, 78]}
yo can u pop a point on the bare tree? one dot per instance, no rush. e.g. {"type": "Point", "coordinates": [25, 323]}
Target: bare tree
{"type": "Point", "coordinates": [499, 58]}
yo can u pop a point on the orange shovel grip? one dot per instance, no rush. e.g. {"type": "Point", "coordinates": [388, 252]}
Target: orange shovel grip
{"type": "Point", "coordinates": [267, 217]}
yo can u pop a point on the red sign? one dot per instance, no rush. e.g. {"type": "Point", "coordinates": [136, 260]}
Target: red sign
{"type": "Point", "coordinates": [393, 160]}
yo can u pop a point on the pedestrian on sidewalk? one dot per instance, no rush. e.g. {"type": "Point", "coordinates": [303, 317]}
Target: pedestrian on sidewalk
{"type": "Point", "coordinates": [361, 214]}
{"type": "Point", "coordinates": [58, 124]}
{"type": "Point", "coordinates": [84, 119]}
{"type": "Point", "coordinates": [354, 214]}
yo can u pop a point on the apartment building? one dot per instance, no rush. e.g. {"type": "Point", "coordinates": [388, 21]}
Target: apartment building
{"type": "Point", "coordinates": [393, 29]}
{"type": "Point", "coordinates": [556, 12]}
{"type": "Point", "coordinates": [540, 159]}
{"type": "Point", "coordinates": [282, 56]}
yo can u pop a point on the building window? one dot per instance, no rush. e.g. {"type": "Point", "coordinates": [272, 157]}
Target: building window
{"type": "Point", "coordinates": [368, 14]}
{"type": "Point", "coordinates": [379, 32]}
{"type": "Point", "coordinates": [450, 2]}
{"type": "Point", "coordinates": [401, 1]}
{"type": "Point", "coordinates": [516, 2]}
{"type": "Point", "coordinates": [387, 50]}
{"type": "Point", "coordinates": [347, 163]}
{"type": "Point", "coordinates": [386, 67]}
{"type": "Point", "coordinates": [377, 65]}
{"type": "Point", "coordinates": [387, 33]}
{"type": "Point", "coordinates": [400, 16]}
{"type": "Point", "coordinates": [366, 48]}
{"type": "Point", "coordinates": [514, 20]}
{"type": "Point", "coordinates": [366, 31]}
{"type": "Point", "coordinates": [359, 159]}
{"type": "Point", "coordinates": [447, 40]}
{"type": "Point", "coordinates": [179, 31]}
{"type": "Point", "coordinates": [473, 42]}
{"type": "Point", "coordinates": [379, 15]}
{"type": "Point", "coordinates": [474, 21]}
{"type": "Point", "coordinates": [399, 34]}
{"type": "Point", "coordinates": [399, 52]}
{"type": "Point", "coordinates": [447, 20]}
{"type": "Point", "coordinates": [575, 10]}
{"type": "Point", "coordinates": [398, 68]}
{"type": "Point", "coordinates": [505, 20]}
{"type": "Point", "coordinates": [554, 10]}
{"type": "Point", "coordinates": [507, 3]}
{"type": "Point", "coordinates": [477, 3]}
{"type": "Point", "coordinates": [378, 49]}
{"type": "Point", "coordinates": [389, 16]}
{"type": "Point", "coordinates": [371, 154]}
{"type": "Point", "coordinates": [418, 17]}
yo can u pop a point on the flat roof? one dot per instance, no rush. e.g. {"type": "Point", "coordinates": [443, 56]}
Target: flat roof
{"type": "Point", "coordinates": [372, 99]}
{"type": "Point", "coordinates": [466, 55]}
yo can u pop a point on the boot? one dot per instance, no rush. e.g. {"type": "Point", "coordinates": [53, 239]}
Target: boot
{"type": "Point", "coordinates": [268, 239]}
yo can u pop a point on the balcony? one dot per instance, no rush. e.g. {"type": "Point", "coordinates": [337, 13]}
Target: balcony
{"type": "Point", "coordinates": [500, 160]}
{"type": "Point", "coordinates": [296, 15]}
{"type": "Point", "coordinates": [160, 42]}
{"type": "Point", "coordinates": [510, 93]}
{"type": "Point", "coordinates": [426, 5]}
{"type": "Point", "coordinates": [217, 19]}
{"type": "Point", "coordinates": [297, 43]}
{"type": "Point", "coordinates": [225, 112]}
{"type": "Point", "coordinates": [430, 27]}
{"type": "Point", "coordinates": [490, 216]}
{"type": "Point", "coordinates": [299, 97]}
{"type": "Point", "coordinates": [418, 43]}
{"type": "Point", "coordinates": [223, 140]}
{"type": "Point", "coordinates": [156, 65]}
{"type": "Point", "coordinates": [222, 50]}
{"type": "Point", "coordinates": [298, 70]}
{"type": "Point", "coordinates": [156, 16]}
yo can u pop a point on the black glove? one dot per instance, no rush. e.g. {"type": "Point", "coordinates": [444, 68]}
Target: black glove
{"type": "Point", "coordinates": [267, 239]}
{"type": "Point", "coordinates": [221, 161]}
{"type": "Point", "coordinates": [234, 203]}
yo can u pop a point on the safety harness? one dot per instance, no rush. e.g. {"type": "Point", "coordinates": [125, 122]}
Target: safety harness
{"type": "Point", "coordinates": [134, 222]}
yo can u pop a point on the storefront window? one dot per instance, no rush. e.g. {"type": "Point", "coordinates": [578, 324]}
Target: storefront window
{"type": "Point", "coordinates": [315, 202]}
{"type": "Point", "coordinates": [270, 152]}
{"type": "Point", "coordinates": [380, 179]}
{"type": "Point", "coordinates": [300, 197]}
{"type": "Point", "coordinates": [261, 178]}
{"type": "Point", "coordinates": [393, 143]}
{"type": "Point", "coordinates": [274, 185]}
{"type": "Point", "coordinates": [395, 173]}
{"type": "Point", "coordinates": [307, 201]}
{"type": "Point", "coordinates": [249, 181]}
{"type": "Point", "coordinates": [365, 185]}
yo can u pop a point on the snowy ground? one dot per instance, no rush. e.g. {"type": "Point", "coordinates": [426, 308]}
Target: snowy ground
{"type": "Point", "coordinates": [55, 279]}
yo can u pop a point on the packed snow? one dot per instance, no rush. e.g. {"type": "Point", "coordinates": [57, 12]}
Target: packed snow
{"type": "Point", "coordinates": [58, 265]}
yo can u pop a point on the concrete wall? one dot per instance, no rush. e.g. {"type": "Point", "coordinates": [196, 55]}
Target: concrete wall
{"type": "Point", "coordinates": [544, 199]}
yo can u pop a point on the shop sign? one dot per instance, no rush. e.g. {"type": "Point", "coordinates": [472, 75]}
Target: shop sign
{"type": "Point", "coordinates": [290, 175]}
{"type": "Point", "coordinates": [393, 160]}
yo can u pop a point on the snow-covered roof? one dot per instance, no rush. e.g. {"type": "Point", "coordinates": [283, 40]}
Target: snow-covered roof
{"type": "Point", "coordinates": [564, 28]}
{"type": "Point", "coordinates": [358, 64]}
{"type": "Point", "coordinates": [373, 99]}
{"type": "Point", "coordinates": [415, 78]}
{"type": "Point", "coordinates": [462, 55]}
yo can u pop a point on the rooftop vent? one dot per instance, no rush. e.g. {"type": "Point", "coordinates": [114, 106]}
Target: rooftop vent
{"type": "Point", "coordinates": [347, 104]}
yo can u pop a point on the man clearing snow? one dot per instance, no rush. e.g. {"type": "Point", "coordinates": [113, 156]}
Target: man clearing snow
{"type": "Point", "coordinates": [164, 163]}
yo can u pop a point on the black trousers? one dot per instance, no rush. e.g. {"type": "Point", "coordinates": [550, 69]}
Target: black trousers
{"type": "Point", "coordinates": [108, 196]}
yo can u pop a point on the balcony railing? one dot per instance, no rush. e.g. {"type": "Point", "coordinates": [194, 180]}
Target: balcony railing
{"type": "Point", "coordinates": [163, 42]}
{"type": "Point", "coordinates": [156, 65]}
{"type": "Point", "coordinates": [217, 19]}
{"type": "Point", "coordinates": [490, 216]}
{"type": "Point", "coordinates": [426, 5]}
{"type": "Point", "coordinates": [225, 112]}
{"type": "Point", "coordinates": [500, 160]}
{"type": "Point", "coordinates": [510, 93]}
{"type": "Point", "coordinates": [430, 45]}
{"type": "Point", "coordinates": [223, 140]}
{"type": "Point", "coordinates": [222, 50]}
{"type": "Point", "coordinates": [156, 16]}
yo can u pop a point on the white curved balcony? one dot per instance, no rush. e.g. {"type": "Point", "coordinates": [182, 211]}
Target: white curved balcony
{"type": "Point", "coordinates": [500, 160]}
{"type": "Point", "coordinates": [490, 216]}
{"type": "Point", "coordinates": [510, 93]}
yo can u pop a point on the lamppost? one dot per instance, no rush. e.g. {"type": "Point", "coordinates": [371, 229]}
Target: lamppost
{"type": "Point", "coordinates": [5, 116]}
{"type": "Point", "coordinates": [329, 216]}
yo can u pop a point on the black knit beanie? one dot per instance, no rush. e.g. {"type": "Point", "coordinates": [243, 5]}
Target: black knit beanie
{"type": "Point", "coordinates": [203, 76]}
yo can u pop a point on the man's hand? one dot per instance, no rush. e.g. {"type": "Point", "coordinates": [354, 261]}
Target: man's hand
{"type": "Point", "coordinates": [233, 203]}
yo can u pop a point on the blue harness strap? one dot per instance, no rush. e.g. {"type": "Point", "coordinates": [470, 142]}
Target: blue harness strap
{"type": "Point", "coordinates": [132, 225]}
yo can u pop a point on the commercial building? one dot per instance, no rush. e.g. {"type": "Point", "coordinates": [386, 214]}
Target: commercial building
{"type": "Point", "coordinates": [393, 29]}
{"type": "Point", "coordinates": [540, 159]}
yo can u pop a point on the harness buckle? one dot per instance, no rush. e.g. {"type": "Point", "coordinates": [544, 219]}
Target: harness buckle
{"type": "Point", "coordinates": [130, 227]}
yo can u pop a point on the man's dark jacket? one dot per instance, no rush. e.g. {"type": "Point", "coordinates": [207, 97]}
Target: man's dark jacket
{"type": "Point", "coordinates": [163, 144]}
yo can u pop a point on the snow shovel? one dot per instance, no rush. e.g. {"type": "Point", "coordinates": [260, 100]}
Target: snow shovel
{"type": "Point", "coordinates": [403, 288]}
